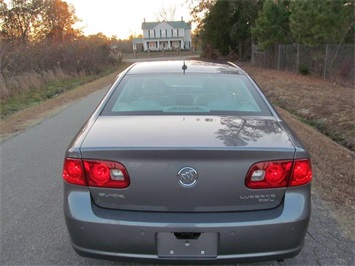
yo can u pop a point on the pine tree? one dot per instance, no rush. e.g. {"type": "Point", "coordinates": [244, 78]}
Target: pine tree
{"type": "Point", "coordinates": [315, 22]}
{"type": "Point", "coordinates": [272, 25]}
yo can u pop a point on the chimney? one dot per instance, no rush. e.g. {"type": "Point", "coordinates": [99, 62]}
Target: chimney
{"type": "Point", "coordinates": [182, 18]}
{"type": "Point", "coordinates": [144, 20]}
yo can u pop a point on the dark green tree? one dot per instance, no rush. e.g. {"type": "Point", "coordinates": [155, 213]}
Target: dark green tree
{"type": "Point", "coordinates": [226, 27]}
{"type": "Point", "coordinates": [272, 25]}
{"type": "Point", "coordinates": [245, 13]}
{"type": "Point", "coordinates": [315, 22]}
{"type": "Point", "coordinates": [199, 10]}
{"type": "Point", "coordinates": [216, 27]}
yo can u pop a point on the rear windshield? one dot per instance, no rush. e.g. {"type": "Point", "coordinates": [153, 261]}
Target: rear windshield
{"type": "Point", "coordinates": [222, 94]}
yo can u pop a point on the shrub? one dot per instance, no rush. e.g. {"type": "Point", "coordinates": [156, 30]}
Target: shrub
{"type": "Point", "coordinates": [303, 70]}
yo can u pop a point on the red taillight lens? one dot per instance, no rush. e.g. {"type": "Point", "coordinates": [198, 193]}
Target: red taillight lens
{"type": "Point", "coordinates": [106, 174]}
{"type": "Point", "coordinates": [95, 173]}
{"type": "Point", "coordinates": [275, 174]}
{"type": "Point", "coordinates": [269, 174]}
{"type": "Point", "coordinates": [98, 172]}
{"type": "Point", "coordinates": [73, 172]}
{"type": "Point", "coordinates": [302, 173]}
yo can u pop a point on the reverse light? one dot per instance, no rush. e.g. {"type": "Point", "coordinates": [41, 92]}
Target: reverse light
{"type": "Point", "coordinates": [276, 174]}
{"type": "Point", "coordinates": [258, 175]}
{"type": "Point", "coordinates": [116, 174]}
{"type": "Point", "coordinates": [95, 173]}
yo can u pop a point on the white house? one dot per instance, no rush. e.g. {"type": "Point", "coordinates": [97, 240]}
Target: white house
{"type": "Point", "coordinates": [165, 35]}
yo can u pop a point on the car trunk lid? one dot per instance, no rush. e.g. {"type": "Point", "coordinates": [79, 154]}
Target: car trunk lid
{"type": "Point", "coordinates": [155, 149]}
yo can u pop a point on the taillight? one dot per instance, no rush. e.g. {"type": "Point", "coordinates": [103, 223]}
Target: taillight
{"type": "Point", "coordinates": [73, 172]}
{"type": "Point", "coordinates": [302, 173]}
{"type": "Point", "coordinates": [95, 173]}
{"type": "Point", "coordinates": [106, 174]}
{"type": "Point", "coordinates": [276, 174]}
{"type": "Point", "coordinates": [269, 174]}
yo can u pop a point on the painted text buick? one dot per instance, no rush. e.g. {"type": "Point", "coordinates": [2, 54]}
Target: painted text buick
{"type": "Point", "coordinates": [186, 161]}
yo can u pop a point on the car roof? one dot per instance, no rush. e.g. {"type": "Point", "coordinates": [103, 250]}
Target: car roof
{"type": "Point", "coordinates": [176, 66]}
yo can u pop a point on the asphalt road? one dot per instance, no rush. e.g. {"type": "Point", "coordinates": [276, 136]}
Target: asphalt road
{"type": "Point", "coordinates": [33, 231]}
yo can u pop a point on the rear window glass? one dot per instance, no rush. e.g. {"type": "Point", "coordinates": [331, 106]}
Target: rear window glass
{"type": "Point", "coordinates": [189, 94]}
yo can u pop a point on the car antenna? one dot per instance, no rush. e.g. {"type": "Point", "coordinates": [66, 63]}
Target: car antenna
{"type": "Point", "coordinates": [184, 67]}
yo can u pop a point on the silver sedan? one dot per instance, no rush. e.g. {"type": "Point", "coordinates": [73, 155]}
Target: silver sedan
{"type": "Point", "coordinates": [186, 161]}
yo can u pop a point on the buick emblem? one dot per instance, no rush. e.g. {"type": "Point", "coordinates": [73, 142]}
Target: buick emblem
{"type": "Point", "coordinates": [187, 177]}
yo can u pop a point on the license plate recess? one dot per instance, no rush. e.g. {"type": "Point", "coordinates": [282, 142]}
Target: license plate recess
{"type": "Point", "coordinates": [187, 245]}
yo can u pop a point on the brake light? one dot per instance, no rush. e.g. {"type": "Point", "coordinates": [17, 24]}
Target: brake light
{"type": "Point", "coordinates": [95, 173]}
{"type": "Point", "coordinates": [302, 173]}
{"type": "Point", "coordinates": [276, 174]}
{"type": "Point", "coordinates": [98, 172]}
{"type": "Point", "coordinates": [106, 174]}
{"type": "Point", "coordinates": [269, 174]}
{"type": "Point", "coordinates": [73, 172]}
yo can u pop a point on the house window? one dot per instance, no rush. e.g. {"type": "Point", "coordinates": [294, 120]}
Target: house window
{"type": "Point", "coordinates": [152, 33]}
{"type": "Point", "coordinates": [175, 32]}
{"type": "Point", "coordinates": [163, 33]}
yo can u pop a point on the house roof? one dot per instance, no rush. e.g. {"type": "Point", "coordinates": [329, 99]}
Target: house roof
{"type": "Point", "coordinates": [174, 24]}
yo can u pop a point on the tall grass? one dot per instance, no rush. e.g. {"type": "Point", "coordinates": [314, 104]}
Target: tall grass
{"type": "Point", "coordinates": [50, 89]}
{"type": "Point", "coordinates": [28, 81]}
{"type": "Point", "coordinates": [24, 68]}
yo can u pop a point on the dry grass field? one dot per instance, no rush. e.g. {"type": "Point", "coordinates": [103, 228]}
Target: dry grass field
{"type": "Point", "coordinates": [324, 105]}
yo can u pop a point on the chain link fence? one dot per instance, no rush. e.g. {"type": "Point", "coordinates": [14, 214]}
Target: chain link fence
{"type": "Point", "coordinates": [331, 62]}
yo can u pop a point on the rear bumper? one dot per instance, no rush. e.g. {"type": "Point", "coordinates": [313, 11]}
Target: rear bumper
{"type": "Point", "coordinates": [256, 235]}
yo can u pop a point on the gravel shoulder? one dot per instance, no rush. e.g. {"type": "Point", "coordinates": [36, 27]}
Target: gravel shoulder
{"type": "Point", "coordinates": [333, 164]}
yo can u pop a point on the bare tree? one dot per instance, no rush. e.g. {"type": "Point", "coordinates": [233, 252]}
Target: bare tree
{"type": "Point", "coordinates": [166, 14]}
{"type": "Point", "coordinates": [18, 18]}
{"type": "Point", "coordinates": [3, 88]}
